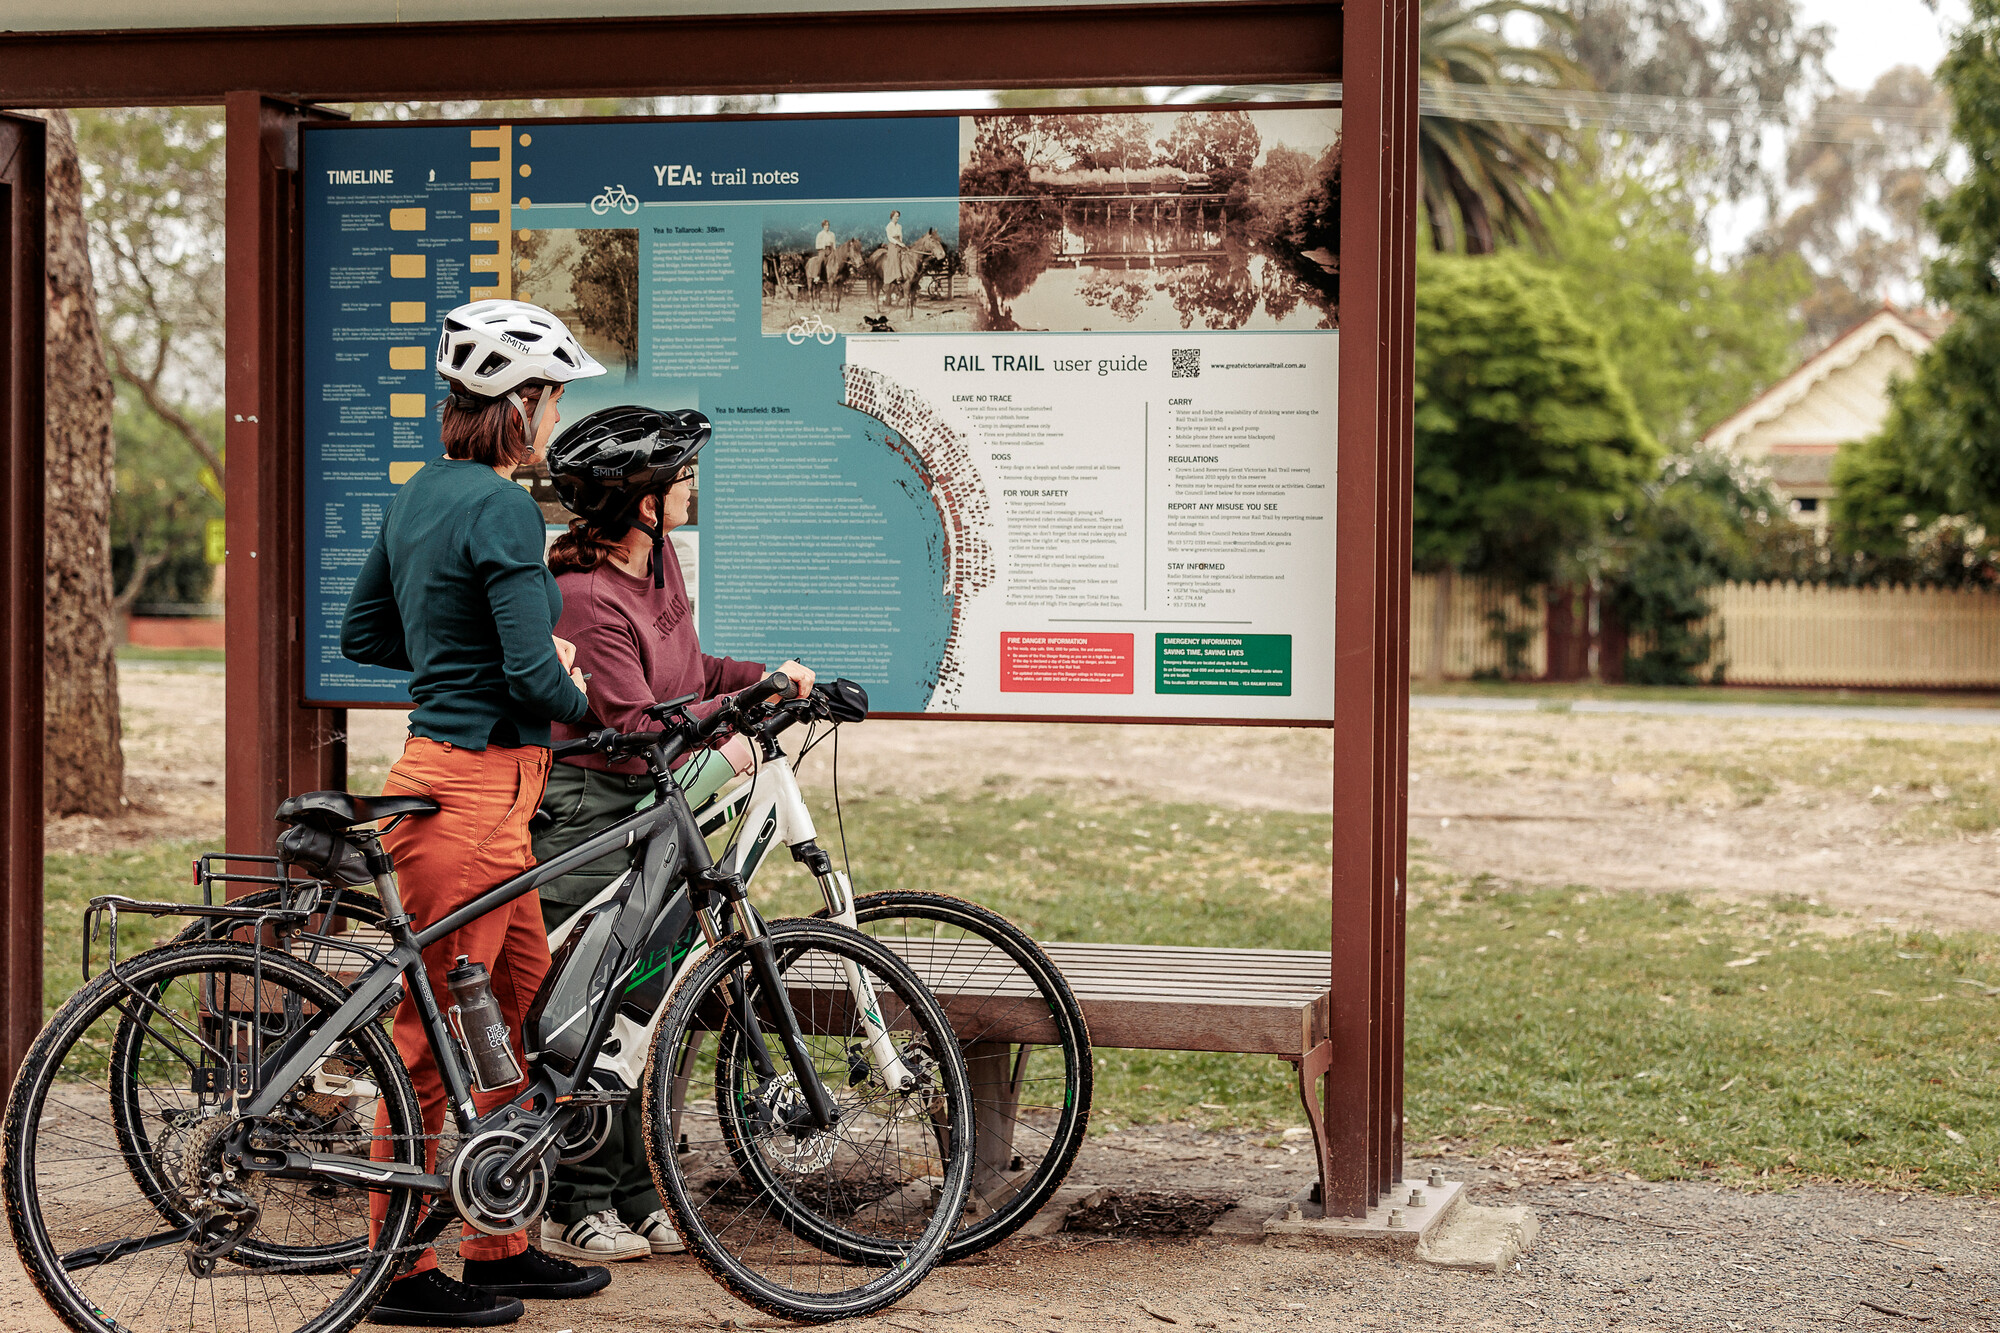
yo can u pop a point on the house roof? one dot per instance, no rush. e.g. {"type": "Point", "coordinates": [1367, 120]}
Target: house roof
{"type": "Point", "coordinates": [1913, 330]}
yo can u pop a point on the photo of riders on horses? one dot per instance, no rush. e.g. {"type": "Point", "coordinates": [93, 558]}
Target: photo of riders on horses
{"type": "Point", "coordinates": [864, 268]}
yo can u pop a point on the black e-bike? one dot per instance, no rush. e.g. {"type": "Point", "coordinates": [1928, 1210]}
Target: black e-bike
{"type": "Point", "coordinates": [221, 1133]}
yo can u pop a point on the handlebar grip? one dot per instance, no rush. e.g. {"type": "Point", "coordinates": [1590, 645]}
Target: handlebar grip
{"type": "Point", "coordinates": [777, 685]}
{"type": "Point", "coordinates": [595, 743]}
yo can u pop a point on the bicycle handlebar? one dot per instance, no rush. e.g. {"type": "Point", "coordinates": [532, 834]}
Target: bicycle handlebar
{"type": "Point", "coordinates": [610, 742]}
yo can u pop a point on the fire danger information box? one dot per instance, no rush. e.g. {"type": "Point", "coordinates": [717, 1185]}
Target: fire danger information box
{"type": "Point", "coordinates": [1016, 413]}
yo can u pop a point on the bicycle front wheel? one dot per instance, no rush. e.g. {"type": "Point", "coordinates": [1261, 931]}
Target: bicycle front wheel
{"type": "Point", "coordinates": [1027, 1050]}
{"type": "Point", "coordinates": [803, 1222]}
{"type": "Point", "coordinates": [120, 1232]}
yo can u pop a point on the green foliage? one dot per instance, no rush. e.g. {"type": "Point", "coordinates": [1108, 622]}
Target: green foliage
{"type": "Point", "coordinates": [1527, 444]}
{"type": "Point", "coordinates": [1691, 342]}
{"type": "Point", "coordinates": [1691, 534]}
{"type": "Point", "coordinates": [1939, 450]}
{"type": "Point", "coordinates": [154, 193]}
{"type": "Point", "coordinates": [159, 509]}
{"type": "Point", "coordinates": [1484, 174]}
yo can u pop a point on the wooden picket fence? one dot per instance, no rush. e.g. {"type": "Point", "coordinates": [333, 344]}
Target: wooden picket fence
{"type": "Point", "coordinates": [1767, 634]}
{"type": "Point", "coordinates": [1809, 634]}
{"type": "Point", "coordinates": [1472, 648]}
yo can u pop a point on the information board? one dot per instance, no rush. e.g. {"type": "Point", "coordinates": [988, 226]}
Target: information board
{"type": "Point", "coordinates": [1066, 450]}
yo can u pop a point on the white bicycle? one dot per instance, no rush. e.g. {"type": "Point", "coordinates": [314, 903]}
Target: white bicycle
{"type": "Point", "coordinates": [615, 196]}
{"type": "Point", "coordinates": [810, 326]}
{"type": "Point", "coordinates": [1026, 1045]}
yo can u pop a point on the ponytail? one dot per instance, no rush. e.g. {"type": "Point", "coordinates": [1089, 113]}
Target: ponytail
{"type": "Point", "coordinates": [581, 549]}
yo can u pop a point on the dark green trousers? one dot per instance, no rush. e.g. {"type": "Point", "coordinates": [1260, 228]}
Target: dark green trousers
{"type": "Point", "coordinates": [582, 802]}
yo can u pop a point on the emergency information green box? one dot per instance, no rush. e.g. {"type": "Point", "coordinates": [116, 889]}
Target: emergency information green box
{"type": "Point", "coordinates": [1222, 663]}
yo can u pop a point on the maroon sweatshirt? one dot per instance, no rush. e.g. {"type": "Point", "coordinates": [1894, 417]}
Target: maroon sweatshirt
{"type": "Point", "coordinates": [638, 646]}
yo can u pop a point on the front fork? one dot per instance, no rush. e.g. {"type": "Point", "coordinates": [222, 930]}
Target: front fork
{"type": "Point", "coordinates": [839, 895]}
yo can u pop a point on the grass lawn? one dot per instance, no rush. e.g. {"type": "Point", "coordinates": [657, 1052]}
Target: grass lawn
{"type": "Point", "coordinates": [128, 653]}
{"type": "Point", "coordinates": [1627, 1030]}
{"type": "Point", "coordinates": [1556, 692]}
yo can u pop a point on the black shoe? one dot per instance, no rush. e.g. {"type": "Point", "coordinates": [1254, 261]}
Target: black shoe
{"type": "Point", "coordinates": [436, 1301]}
{"type": "Point", "coordinates": [537, 1276]}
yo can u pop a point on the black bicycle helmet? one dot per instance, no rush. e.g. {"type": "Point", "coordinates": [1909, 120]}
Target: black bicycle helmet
{"type": "Point", "coordinates": [606, 463]}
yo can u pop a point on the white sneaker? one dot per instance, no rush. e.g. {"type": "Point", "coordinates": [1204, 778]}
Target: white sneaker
{"type": "Point", "coordinates": [600, 1238]}
{"type": "Point", "coordinates": [658, 1232]}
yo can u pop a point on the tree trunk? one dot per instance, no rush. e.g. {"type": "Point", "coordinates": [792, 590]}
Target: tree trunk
{"type": "Point", "coordinates": [85, 765]}
{"type": "Point", "coordinates": [1440, 626]}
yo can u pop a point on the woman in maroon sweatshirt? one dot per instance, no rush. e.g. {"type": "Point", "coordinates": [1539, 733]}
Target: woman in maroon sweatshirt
{"type": "Point", "coordinates": [628, 474]}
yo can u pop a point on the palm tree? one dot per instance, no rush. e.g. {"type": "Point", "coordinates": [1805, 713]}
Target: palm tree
{"type": "Point", "coordinates": [1484, 175]}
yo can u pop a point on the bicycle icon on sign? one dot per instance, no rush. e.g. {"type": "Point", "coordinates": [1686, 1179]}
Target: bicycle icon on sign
{"type": "Point", "coordinates": [615, 196]}
{"type": "Point", "coordinates": [810, 325]}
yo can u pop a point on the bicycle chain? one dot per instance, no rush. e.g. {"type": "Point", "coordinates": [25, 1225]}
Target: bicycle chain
{"type": "Point", "coordinates": [399, 1252]}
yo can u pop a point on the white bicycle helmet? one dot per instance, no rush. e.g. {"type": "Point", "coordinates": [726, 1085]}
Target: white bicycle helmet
{"type": "Point", "coordinates": [490, 349]}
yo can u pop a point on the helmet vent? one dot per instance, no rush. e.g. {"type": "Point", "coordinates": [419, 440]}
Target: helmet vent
{"type": "Point", "coordinates": [494, 361]}
{"type": "Point", "coordinates": [460, 356]}
{"type": "Point", "coordinates": [564, 357]}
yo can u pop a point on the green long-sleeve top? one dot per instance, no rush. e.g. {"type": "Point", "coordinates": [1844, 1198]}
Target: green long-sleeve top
{"type": "Point", "coordinates": [456, 593]}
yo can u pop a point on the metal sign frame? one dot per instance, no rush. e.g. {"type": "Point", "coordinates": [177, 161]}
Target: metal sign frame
{"type": "Point", "coordinates": [268, 80]}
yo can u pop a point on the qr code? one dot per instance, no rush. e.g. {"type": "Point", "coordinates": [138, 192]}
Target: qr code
{"type": "Point", "coordinates": [1187, 363]}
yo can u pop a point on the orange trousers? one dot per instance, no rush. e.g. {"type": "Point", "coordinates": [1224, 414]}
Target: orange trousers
{"type": "Point", "coordinates": [478, 837]}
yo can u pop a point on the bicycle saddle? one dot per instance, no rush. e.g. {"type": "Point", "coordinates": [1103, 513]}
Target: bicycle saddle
{"type": "Point", "coordinates": [334, 811]}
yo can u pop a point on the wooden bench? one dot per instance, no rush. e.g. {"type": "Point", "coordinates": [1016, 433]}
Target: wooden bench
{"type": "Point", "coordinates": [1162, 998]}
{"type": "Point", "coordinates": [1231, 1001]}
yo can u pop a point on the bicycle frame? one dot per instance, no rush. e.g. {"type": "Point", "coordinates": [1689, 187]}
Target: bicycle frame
{"type": "Point", "coordinates": [777, 810]}
{"type": "Point", "coordinates": [674, 860]}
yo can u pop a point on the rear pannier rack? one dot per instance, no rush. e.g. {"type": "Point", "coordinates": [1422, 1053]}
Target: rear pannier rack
{"type": "Point", "coordinates": [303, 899]}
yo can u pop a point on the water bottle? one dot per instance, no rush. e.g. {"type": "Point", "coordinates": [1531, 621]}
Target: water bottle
{"type": "Point", "coordinates": [479, 1027]}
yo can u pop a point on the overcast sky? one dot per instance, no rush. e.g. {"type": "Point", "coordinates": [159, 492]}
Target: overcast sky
{"type": "Point", "coordinates": [1870, 36]}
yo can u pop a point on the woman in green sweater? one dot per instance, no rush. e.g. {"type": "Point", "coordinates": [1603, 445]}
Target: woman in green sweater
{"type": "Point", "coordinates": [454, 592]}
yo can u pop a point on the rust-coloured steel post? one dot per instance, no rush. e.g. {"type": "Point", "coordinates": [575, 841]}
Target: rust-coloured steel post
{"type": "Point", "coordinates": [23, 299]}
{"type": "Point", "coordinates": [275, 746]}
{"type": "Point", "coordinates": [1371, 601]}
{"type": "Point", "coordinates": [862, 49]}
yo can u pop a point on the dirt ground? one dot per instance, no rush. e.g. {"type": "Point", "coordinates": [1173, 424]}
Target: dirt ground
{"type": "Point", "coordinates": [1614, 1253]}
{"type": "Point", "coordinates": [1619, 801]}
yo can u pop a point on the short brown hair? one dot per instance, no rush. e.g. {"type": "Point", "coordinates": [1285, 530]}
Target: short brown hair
{"type": "Point", "coordinates": [492, 434]}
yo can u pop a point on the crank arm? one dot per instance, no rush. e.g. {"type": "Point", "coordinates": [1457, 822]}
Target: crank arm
{"type": "Point", "coordinates": [349, 1170]}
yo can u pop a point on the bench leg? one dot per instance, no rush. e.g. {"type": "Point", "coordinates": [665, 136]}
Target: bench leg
{"type": "Point", "coordinates": [1313, 1066]}
{"type": "Point", "coordinates": [994, 1072]}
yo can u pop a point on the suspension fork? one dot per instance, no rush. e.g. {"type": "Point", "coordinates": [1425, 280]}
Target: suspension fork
{"type": "Point", "coordinates": [839, 896]}
{"type": "Point", "coordinates": [764, 966]}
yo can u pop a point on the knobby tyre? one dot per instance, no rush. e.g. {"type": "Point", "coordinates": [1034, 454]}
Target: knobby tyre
{"type": "Point", "coordinates": [1026, 1045]}
{"type": "Point", "coordinates": [109, 1230]}
{"type": "Point", "coordinates": [808, 1224]}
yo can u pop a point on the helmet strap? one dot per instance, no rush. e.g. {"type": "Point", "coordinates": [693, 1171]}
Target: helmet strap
{"type": "Point", "coordinates": [542, 406]}
{"type": "Point", "coordinates": [657, 532]}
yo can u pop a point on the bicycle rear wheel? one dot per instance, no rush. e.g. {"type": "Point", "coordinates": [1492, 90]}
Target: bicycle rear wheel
{"type": "Point", "coordinates": [113, 1231]}
{"type": "Point", "coordinates": [1027, 1050]}
{"type": "Point", "coordinates": [805, 1223]}
{"type": "Point", "coordinates": [341, 939]}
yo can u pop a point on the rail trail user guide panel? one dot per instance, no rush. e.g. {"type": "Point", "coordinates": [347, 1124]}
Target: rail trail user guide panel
{"type": "Point", "coordinates": [1016, 413]}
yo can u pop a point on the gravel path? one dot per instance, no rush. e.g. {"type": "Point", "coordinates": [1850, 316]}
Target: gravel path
{"type": "Point", "coordinates": [1614, 1253]}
